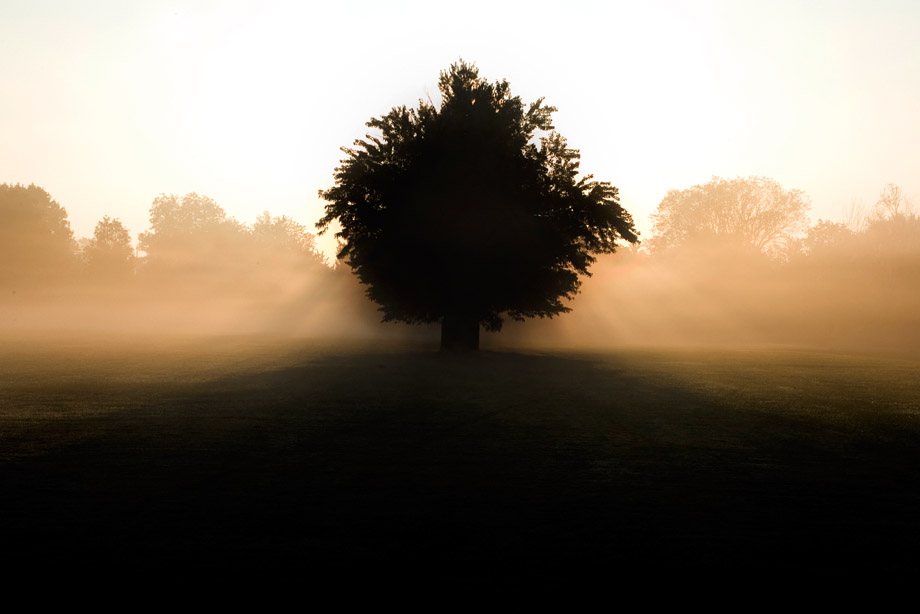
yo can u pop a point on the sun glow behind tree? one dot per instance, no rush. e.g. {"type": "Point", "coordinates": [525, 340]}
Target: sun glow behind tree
{"type": "Point", "coordinates": [471, 212]}
{"type": "Point", "coordinates": [112, 104]}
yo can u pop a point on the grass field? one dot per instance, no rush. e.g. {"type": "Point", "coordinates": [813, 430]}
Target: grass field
{"type": "Point", "coordinates": [335, 461]}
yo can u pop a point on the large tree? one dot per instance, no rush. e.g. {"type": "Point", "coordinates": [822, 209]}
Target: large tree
{"type": "Point", "coordinates": [749, 212]}
{"type": "Point", "coordinates": [471, 211]}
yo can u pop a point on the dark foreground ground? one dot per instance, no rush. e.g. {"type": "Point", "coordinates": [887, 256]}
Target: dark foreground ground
{"type": "Point", "coordinates": [344, 465]}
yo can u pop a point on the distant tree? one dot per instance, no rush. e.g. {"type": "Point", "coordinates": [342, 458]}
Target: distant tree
{"type": "Point", "coordinates": [892, 204]}
{"type": "Point", "coordinates": [826, 236]}
{"type": "Point", "coordinates": [36, 242]}
{"type": "Point", "coordinates": [854, 216]}
{"type": "Point", "coordinates": [282, 235]}
{"type": "Point", "coordinates": [109, 253]}
{"type": "Point", "coordinates": [470, 212]}
{"type": "Point", "coordinates": [890, 235]}
{"type": "Point", "coordinates": [752, 212]}
{"type": "Point", "coordinates": [893, 232]}
{"type": "Point", "coordinates": [191, 236]}
{"type": "Point", "coordinates": [173, 220]}
{"type": "Point", "coordinates": [284, 257]}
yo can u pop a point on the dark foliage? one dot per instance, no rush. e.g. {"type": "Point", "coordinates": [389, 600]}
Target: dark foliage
{"type": "Point", "coordinates": [470, 212]}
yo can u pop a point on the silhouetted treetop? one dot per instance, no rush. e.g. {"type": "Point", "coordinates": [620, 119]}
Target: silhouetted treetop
{"type": "Point", "coordinates": [826, 238]}
{"type": "Point", "coordinates": [892, 204]}
{"type": "Point", "coordinates": [109, 253]}
{"type": "Point", "coordinates": [35, 236]}
{"type": "Point", "coordinates": [191, 223]}
{"type": "Point", "coordinates": [470, 211]}
{"type": "Point", "coordinates": [193, 242]}
{"type": "Point", "coordinates": [749, 212]}
{"type": "Point", "coordinates": [284, 234]}
{"type": "Point", "coordinates": [893, 230]}
{"type": "Point", "coordinates": [191, 214]}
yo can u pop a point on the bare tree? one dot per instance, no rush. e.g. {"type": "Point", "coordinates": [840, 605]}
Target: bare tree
{"type": "Point", "coordinates": [854, 216]}
{"type": "Point", "coordinates": [891, 203]}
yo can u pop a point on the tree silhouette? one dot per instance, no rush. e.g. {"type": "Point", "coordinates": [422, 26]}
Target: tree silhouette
{"type": "Point", "coordinates": [892, 204]}
{"type": "Point", "coordinates": [828, 239]}
{"type": "Point", "coordinates": [36, 242]}
{"type": "Point", "coordinates": [284, 257]}
{"type": "Point", "coordinates": [192, 239]}
{"type": "Point", "coordinates": [470, 212]}
{"type": "Point", "coordinates": [751, 212]}
{"type": "Point", "coordinates": [284, 241]}
{"type": "Point", "coordinates": [892, 233]}
{"type": "Point", "coordinates": [109, 254]}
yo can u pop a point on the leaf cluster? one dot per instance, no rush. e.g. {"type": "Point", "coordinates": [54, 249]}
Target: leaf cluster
{"type": "Point", "coordinates": [475, 207]}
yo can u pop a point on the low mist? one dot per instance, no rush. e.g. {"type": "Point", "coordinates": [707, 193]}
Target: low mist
{"type": "Point", "coordinates": [195, 271]}
{"type": "Point", "coordinates": [198, 271]}
{"type": "Point", "coordinates": [857, 291]}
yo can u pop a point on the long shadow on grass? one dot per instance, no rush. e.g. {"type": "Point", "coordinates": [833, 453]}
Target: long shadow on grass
{"type": "Point", "coordinates": [497, 469]}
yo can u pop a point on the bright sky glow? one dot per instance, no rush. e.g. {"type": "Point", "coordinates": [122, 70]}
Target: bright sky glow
{"type": "Point", "coordinates": [107, 104]}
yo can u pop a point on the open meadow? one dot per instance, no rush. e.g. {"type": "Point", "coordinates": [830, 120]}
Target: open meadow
{"type": "Point", "coordinates": [348, 462]}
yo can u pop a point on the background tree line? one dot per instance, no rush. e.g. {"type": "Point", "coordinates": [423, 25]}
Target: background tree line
{"type": "Point", "coordinates": [736, 262]}
{"type": "Point", "coordinates": [191, 241]}
{"type": "Point", "coordinates": [195, 268]}
{"type": "Point", "coordinates": [728, 261]}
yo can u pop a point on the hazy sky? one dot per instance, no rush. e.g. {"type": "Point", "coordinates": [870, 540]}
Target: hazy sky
{"type": "Point", "coordinates": [107, 104]}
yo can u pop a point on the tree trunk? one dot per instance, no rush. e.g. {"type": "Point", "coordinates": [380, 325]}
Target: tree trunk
{"type": "Point", "coordinates": [459, 333]}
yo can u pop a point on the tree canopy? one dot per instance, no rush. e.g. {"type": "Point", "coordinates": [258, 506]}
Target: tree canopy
{"type": "Point", "coordinates": [36, 241]}
{"type": "Point", "coordinates": [752, 212]}
{"type": "Point", "coordinates": [471, 211]}
{"type": "Point", "coordinates": [174, 221]}
{"type": "Point", "coordinates": [284, 238]}
{"type": "Point", "coordinates": [109, 253]}
{"type": "Point", "coordinates": [191, 234]}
